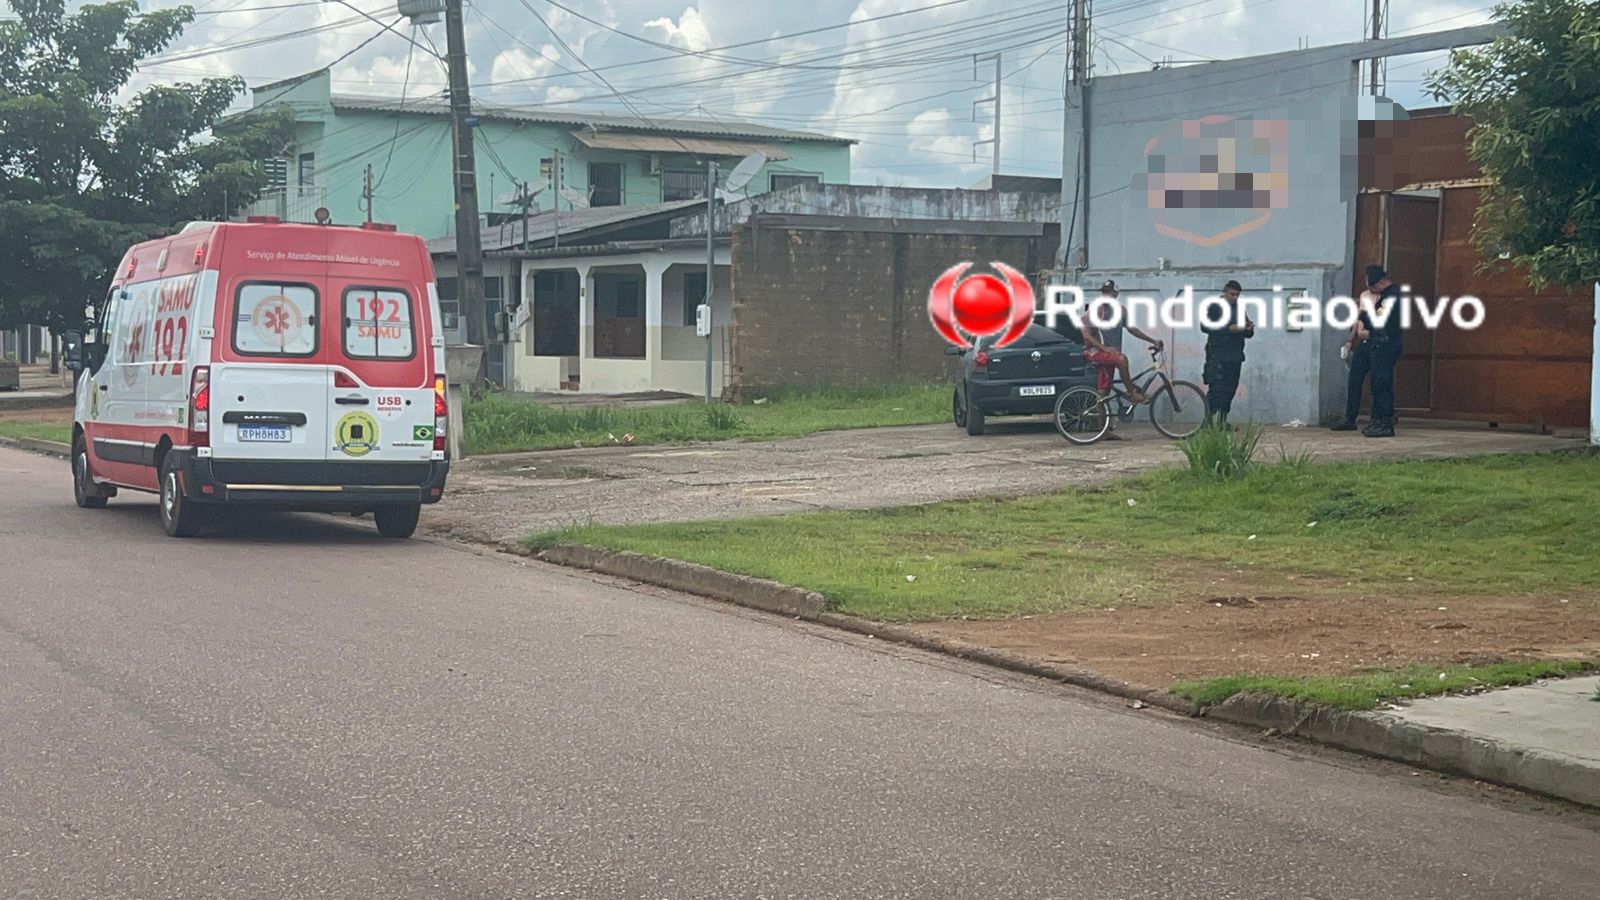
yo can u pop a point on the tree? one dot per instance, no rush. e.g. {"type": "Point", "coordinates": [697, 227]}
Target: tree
{"type": "Point", "coordinates": [1533, 95]}
{"type": "Point", "coordinates": [82, 176]}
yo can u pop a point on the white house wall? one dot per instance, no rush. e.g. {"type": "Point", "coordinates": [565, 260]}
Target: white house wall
{"type": "Point", "coordinates": [668, 364]}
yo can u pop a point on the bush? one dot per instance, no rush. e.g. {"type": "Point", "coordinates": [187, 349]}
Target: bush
{"type": "Point", "coordinates": [1221, 453]}
{"type": "Point", "coordinates": [1298, 460]}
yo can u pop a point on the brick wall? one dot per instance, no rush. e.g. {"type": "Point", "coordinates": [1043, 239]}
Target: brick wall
{"type": "Point", "coordinates": [830, 301]}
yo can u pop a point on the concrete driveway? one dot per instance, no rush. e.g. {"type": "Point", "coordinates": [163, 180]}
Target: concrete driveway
{"type": "Point", "coordinates": [501, 499]}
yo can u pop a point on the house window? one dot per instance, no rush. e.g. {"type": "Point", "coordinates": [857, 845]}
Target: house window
{"type": "Point", "coordinates": [694, 292]}
{"type": "Point", "coordinates": [779, 182]}
{"type": "Point", "coordinates": [605, 184]}
{"type": "Point", "coordinates": [449, 301]}
{"type": "Point", "coordinates": [308, 169]}
{"type": "Point", "coordinates": [277, 172]}
{"type": "Point", "coordinates": [683, 185]}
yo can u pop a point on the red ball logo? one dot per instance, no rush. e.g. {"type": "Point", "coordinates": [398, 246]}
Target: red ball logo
{"type": "Point", "coordinates": [981, 306]}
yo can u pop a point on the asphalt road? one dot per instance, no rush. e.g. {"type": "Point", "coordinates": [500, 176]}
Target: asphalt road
{"type": "Point", "coordinates": [295, 708]}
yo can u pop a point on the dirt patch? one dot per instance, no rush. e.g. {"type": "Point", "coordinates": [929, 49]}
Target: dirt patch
{"type": "Point", "coordinates": [1227, 622]}
{"type": "Point", "coordinates": [49, 415]}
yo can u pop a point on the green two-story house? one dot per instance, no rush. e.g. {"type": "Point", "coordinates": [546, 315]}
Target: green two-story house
{"type": "Point", "coordinates": [603, 159]}
{"type": "Point", "coordinates": [391, 159]}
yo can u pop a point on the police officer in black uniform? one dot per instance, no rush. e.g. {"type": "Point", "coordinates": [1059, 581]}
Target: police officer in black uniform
{"type": "Point", "coordinates": [1374, 349]}
{"type": "Point", "coordinates": [1224, 357]}
{"type": "Point", "coordinates": [1386, 346]}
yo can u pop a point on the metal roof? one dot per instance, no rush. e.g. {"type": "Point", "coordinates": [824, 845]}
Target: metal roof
{"type": "Point", "coordinates": [573, 222]}
{"type": "Point", "coordinates": [696, 126]}
{"type": "Point", "coordinates": [665, 143]}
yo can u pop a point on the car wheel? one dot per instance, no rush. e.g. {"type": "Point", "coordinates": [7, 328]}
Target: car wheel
{"type": "Point", "coordinates": [958, 408]}
{"type": "Point", "coordinates": [180, 516]}
{"type": "Point", "coordinates": [975, 420]}
{"type": "Point", "coordinates": [85, 492]}
{"type": "Point", "coordinates": [397, 521]}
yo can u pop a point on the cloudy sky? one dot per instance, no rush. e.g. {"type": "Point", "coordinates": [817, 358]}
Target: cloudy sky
{"type": "Point", "coordinates": [898, 75]}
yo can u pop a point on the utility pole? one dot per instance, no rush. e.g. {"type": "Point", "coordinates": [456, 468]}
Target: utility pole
{"type": "Point", "coordinates": [711, 263]}
{"type": "Point", "coordinates": [366, 191]}
{"type": "Point", "coordinates": [526, 204]}
{"type": "Point", "coordinates": [995, 141]}
{"type": "Point", "coordinates": [555, 207]}
{"type": "Point", "coordinates": [1377, 33]}
{"type": "Point", "coordinates": [469, 249]}
{"type": "Point", "coordinates": [1080, 87]}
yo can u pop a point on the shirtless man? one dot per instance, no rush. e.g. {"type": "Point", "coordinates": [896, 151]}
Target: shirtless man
{"type": "Point", "coordinates": [1098, 352]}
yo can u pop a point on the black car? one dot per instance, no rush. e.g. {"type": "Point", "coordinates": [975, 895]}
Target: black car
{"type": "Point", "coordinates": [1022, 378]}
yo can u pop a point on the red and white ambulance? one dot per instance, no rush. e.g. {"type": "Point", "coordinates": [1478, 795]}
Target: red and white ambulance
{"type": "Point", "coordinates": [297, 366]}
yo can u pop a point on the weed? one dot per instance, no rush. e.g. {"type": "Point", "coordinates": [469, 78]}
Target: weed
{"type": "Point", "coordinates": [1299, 460]}
{"type": "Point", "coordinates": [499, 423]}
{"type": "Point", "coordinates": [1221, 453]}
{"type": "Point", "coordinates": [1366, 690]}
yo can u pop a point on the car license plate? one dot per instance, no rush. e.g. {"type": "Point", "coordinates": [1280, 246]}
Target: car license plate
{"type": "Point", "coordinates": [264, 433]}
{"type": "Point", "coordinates": [1036, 390]}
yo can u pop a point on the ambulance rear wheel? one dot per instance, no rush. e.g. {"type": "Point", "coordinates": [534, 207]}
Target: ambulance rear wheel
{"type": "Point", "coordinates": [85, 492]}
{"type": "Point", "coordinates": [180, 516]}
{"type": "Point", "coordinates": [397, 521]}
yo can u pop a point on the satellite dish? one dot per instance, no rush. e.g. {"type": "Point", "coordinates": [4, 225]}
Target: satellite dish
{"type": "Point", "coordinates": [744, 171]}
{"type": "Point", "coordinates": [576, 198]}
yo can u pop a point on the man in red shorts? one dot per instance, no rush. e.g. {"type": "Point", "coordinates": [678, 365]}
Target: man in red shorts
{"type": "Point", "coordinates": [1098, 352]}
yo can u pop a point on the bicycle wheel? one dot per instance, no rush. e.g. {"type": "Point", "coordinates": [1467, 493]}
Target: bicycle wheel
{"type": "Point", "coordinates": [1081, 415]}
{"type": "Point", "coordinates": [1178, 409]}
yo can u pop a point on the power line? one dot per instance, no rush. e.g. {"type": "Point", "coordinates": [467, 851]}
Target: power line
{"type": "Point", "coordinates": [932, 34]}
{"type": "Point", "coordinates": [574, 54]}
{"type": "Point", "coordinates": [410, 50]}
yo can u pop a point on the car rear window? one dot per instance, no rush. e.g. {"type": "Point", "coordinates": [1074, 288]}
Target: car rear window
{"type": "Point", "coordinates": [275, 319]}
{"type": "Point", "coordinates": [378, 324]}
{"type": "Point", "coordinates": [1035, 335]}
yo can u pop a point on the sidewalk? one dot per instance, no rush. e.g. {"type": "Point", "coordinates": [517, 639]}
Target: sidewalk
{"type": "Point", "coordinates": [39, 388]}
{"type": "Point", "coordinates": [1544, 737]}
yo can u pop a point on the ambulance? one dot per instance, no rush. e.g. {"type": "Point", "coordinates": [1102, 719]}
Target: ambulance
{"type": "Point", "coordinates": [270, 364]}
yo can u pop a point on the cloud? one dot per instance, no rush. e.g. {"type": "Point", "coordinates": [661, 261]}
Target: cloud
{"type": "Point", "coordinates": [904, 86]}
{"type": "Point", "coordinates": [689, 31]}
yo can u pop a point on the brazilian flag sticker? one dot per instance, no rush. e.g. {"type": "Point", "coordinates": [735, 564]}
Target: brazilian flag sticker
{"type": "Point", "coordinates": [422, 432]}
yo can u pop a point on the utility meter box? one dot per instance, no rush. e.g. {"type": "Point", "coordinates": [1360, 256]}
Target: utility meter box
{"type": "Point", "coordinates": [702, 320]}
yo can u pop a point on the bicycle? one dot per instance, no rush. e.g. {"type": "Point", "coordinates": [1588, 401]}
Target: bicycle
{"type": "Point", "coordinates": [1083, 414]}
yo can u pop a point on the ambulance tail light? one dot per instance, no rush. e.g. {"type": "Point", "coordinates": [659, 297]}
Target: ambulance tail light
{"type": "Point", "coordinates": [441, 413]}
{"type": "Point", "coordinates": [200, 407]}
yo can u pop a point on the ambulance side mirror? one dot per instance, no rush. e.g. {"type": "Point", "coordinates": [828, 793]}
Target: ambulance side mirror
{"type": "Point", "coordinates": [72, 350]}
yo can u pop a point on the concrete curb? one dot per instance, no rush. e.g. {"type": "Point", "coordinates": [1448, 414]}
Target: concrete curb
{"type": "Point", "coordinates": [36, 445]}
{"type": "Point", "coordinates": [1447, 750]}
{"type": "Point", "coordinates": [13, 402]}
{"type": "Point", "coordinates": [692, 578]}
{"type": "Point", "coordinates": [770, 596]}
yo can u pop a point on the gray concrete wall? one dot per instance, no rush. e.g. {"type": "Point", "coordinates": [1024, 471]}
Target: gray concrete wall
{"type": "Point", "coordinates": [870, 202]}
{"type": "Point", "coordinates": [1287, 375]}
{"type": "Point", "coordinates": [1288, 121]}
